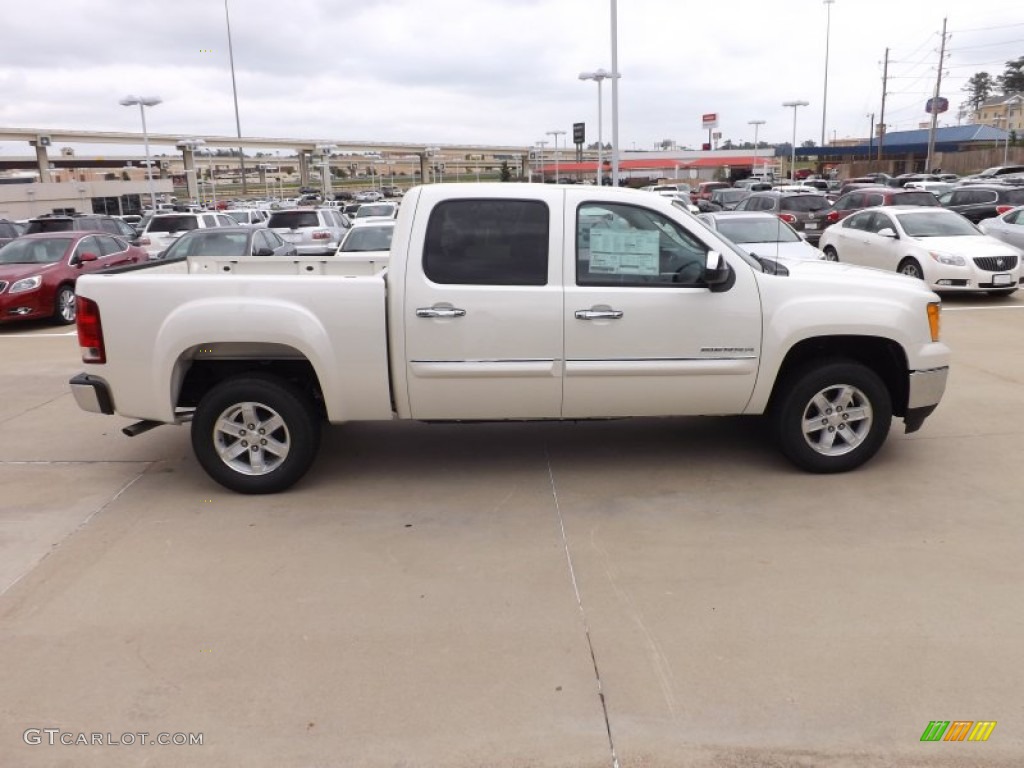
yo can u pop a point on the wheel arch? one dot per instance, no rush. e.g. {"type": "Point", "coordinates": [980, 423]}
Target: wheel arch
{"type": "Point", "coordinates": [883, 356]}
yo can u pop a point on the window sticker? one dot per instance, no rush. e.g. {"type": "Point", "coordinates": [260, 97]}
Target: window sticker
{"type": "Point", "coordinates": [634, 252]}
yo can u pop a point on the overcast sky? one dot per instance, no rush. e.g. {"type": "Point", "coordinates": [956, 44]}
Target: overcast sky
{"type": "Point", "coordinates": [487, 71]}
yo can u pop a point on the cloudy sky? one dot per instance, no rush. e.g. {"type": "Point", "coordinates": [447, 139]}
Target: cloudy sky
{"type": "Point", "coordinates": [487, 71]}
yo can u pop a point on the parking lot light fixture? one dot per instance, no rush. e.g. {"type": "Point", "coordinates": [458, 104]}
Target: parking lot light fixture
{"type": "Point", "coordinates": [795, 105]}
{"type": "Point", "coordinates": [599, 76]}
{"type": "Point", "coordinates": [555, 135]}
{"type": "Point", "coordinates": [757, 124]}
{"type": "Point", "coordinates": [828, 33]}
{"type": "Point", "coordinates": [143, 102]}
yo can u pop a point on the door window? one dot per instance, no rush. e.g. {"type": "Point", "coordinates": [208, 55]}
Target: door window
{"type": "Point", "coordinates": [858, 221]}
{"type": "Point", "coordinates": [108, 246]}
{"type": "Point", "coordinates": [625, 245]}
{"type": "Point", "coordinates": [487, 242]}
{"type": "Point", "coordinates": [209, 220]}
{"type": "Point", "coordinates": [88, 245]}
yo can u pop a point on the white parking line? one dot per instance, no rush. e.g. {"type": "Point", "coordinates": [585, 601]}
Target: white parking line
{"type": "Point", "coordinates": [37, 335]}
{"type": "Point", "coordinates": [969, 309]}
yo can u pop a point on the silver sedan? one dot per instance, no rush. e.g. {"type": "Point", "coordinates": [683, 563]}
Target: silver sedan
{"type": "Point", "coordinates": [1009, 227]}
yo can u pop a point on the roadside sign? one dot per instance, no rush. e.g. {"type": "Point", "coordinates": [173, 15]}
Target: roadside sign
{"type": "Point", "coordinates": [936, 106]}
{"type": "Point", "coordinates": [709, 120]}
{"type": "Point", "coordinates": [579, 133]}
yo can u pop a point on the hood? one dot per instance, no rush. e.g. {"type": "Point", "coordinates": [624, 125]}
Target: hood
{"type": "Point", "coordinates": [870, 281]}
{"type": "Point", "coordinates": [970, 247]}
{"type": "Point", "coordinates": [11, 272]}
{"type": "Point", "coordinates": [800, 250]}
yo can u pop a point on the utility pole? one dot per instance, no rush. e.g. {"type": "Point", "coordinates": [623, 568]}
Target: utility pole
{"type": "Point", "coordinates": [871, 134]}
{"type": "Point", "coordinates": [881, 118]}
{"type": "Point", "coordinates": [935, 102]}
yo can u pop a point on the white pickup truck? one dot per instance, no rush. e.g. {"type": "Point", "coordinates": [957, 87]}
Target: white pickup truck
{"type": "Point", "coordinates": [510, 302]}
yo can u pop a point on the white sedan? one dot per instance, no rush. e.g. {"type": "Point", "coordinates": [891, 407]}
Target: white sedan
{"type": "Point", "coordinates": [935, 245]}
{"type": "Point", "coordinates": [1009, 227]}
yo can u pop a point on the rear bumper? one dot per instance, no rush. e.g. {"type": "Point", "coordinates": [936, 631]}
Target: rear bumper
{"type": "Point", "coordinates": [926, 390]}
{"type": "Point", "coordinates": [92, 394]}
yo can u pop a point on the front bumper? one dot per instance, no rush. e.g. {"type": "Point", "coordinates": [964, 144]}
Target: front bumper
{"type": "Point", "coordinates": [92, 394]}
{"type": "Point", "coordinates": [926, 390]}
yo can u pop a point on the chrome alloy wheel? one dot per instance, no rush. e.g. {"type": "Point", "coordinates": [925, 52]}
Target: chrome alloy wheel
{"type": "Point", "coordinates": [837, 420]}
{"type": "Point", "coordinates": [251, 438]}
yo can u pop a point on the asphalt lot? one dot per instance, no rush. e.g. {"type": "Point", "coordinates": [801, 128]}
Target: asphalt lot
{"type": "Point", "coordinates": [516, 595]}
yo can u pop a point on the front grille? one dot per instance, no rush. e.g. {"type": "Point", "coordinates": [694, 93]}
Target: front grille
{"type": "Point", "coordinates": [3, 286]}
{"type": "Point", "coordinates": [996, 263]}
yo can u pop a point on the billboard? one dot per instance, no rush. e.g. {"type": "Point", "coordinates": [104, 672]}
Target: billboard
{"type": "Point", "coordinates": [709, 120]}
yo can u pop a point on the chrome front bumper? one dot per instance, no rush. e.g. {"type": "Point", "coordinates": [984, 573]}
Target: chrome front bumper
{"type": "Point", "coordinates": [926, 390]}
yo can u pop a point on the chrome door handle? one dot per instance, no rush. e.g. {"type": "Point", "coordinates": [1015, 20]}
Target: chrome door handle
{"type": "Point", "coordinates": [598, 314]}
{"type": "Point", "coordinates": [439, 312]}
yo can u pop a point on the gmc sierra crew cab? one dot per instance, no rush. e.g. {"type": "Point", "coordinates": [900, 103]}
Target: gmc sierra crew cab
{"type": "Point", "coordinates": [510, 302]}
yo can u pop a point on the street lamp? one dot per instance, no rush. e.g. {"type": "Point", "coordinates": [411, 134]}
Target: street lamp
{"type": "Point", "coordinates": [599, 76]}
{"type": "Point", "coordinates": [615, 93]}
{"type": "Point", "coordinates": [792, 164]}
{"type": "Point", "coordinates": [325, 181]}
{"type": "Point", "coordinates": [540, 157]}
{"type": "Point", "coordinates": [757, 124]}
{"type": "Point", "coordinates": [143, 102]}
{"type": "Point", "coordinates": [555, 135]}
{"type": "Point", "coordinates": [824, 98]}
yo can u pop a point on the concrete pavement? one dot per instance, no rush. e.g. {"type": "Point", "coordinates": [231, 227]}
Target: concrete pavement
{"type": "Point", "coordinates": [516, 595]}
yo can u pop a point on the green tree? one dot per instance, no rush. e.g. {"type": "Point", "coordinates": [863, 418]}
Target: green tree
{"type": "Point", "coordinates": [1012, 79]}
{"type": "Point", "coordinates": [809, 143]}
{"type": "Point", "coordinates": [978, 88]}
{"type": "Point", "coordinates": [506, 173]}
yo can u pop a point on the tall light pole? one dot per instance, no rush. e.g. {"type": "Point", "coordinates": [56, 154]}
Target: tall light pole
{"type": "Point", "coordinates": [792, 165]}
{"type": "Point", "coordinates": [540, 155]}
{"type": "Point", "coordinates": [828, 33]}
{"type": "Point", "coordinates": [143, 102]}
{"type": "Point", "coordinates": [757, 124]}
{"type": "Point", "coordinates": [599, 76]}
{"type": "Point", "coordinates": [615, 93]}
{"type": "Point", "coordinates": [234, 91]}
{"type": "Point", "coordinates": [555, 135]}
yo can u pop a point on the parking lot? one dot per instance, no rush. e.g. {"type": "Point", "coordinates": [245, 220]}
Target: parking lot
{"type": "Point", "coordinates": [653, 592]}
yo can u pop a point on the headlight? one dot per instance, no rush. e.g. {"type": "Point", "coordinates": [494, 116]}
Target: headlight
{"type": "Point", "coordinates": [26, 284]}
{"type": "Point", "coordinates": [947, 258]}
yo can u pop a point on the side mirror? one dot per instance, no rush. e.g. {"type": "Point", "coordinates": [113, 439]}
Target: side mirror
{"type": "Point", "coordinates": [888, 232]}
{"type": "Point", "coordinates": [718, 276]}
{"type": "Point", "coordinates": [263, 252]}
{"type": "Point", "coordinates": [88, 256]}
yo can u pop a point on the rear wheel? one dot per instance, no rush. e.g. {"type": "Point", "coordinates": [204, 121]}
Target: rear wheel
{"type": "Point", "coordinates": [255, 434]}
{"type": "Point", "coordinates": [910, 268]}
{"type": "Point", "coordinates": [64, 310]}
{"type": "Point", "coordinates": [830, 253]}
{"type": "Point", "coordinates": [832, 416]}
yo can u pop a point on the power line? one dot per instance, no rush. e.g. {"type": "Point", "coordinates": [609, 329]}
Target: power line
{"type": "Point", "coordinates": [985, 45]}
{"type": "Point", "coordinates": [985, 29]}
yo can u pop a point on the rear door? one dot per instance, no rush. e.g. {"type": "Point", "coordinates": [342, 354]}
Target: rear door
{"type": "Point", "coordinates": [483, 308]}
{"type": "Point", "coordinates": [643, 335]}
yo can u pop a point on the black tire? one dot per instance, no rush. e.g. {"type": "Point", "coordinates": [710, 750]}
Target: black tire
{"type": "Point", "coordinates": [852, 427]}
{"type": "Point", "coordinates": [910, 268]}
{"type": "Point", "coordinates": [252, 402]}
{"type": "Point", "coordinates": [64, 309]}
{"type": "Point", "coordinates": [830, 253]}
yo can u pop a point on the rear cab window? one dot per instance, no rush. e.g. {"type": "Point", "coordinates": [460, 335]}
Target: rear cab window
{"type": "Point", "coordinates": [487, 242]}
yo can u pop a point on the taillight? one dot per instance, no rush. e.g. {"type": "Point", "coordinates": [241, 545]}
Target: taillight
{"type": "Point", "coordinates": [321, 235]}
{"type": "Point", "coordinates": [90, 331]}
{"type": "Point", "coordinates": [789, 218]}
{"type": "Point", "coordinates": [832, 217]}
{"type": "Point", "coordinates": [1001, 209]}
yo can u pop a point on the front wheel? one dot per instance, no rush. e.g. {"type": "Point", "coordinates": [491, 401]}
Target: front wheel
{"type": "Point", "coordinates": [255, 434]}
{"type": "Point", "coordinates": [911, 268]}
{"type": "Point", "coordinates": [64, 310]}
{"type": "Point", "coordinates": [832, 416]}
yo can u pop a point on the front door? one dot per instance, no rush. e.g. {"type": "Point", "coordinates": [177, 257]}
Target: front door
{"type": "Point", "coordinates": [643, 335]}
{"type": "Point", "coordinates": [483, 313]}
